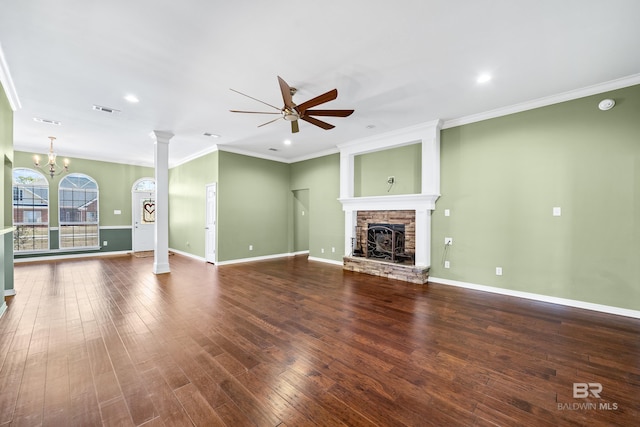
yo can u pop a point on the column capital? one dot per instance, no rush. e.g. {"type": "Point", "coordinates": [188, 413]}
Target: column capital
{"type": "Point", "coordinates": [161, 136]}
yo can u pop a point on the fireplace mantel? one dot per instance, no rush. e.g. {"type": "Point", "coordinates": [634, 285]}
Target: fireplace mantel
{"type": "Point", "coordinates": [397, 202]}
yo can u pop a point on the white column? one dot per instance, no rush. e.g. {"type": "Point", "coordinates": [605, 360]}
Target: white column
{"type": "Point", "coordinates": [423, 238]}
{"type": "Point", "coordinates": [161, 161]}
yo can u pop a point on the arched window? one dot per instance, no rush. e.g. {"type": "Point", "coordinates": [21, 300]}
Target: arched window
{"type": "Point", "coordinates": [144, 184]}
{"type": "Point", "coordinates": [30, 211]}
{"type": "Point", "coordinates": [78, 210]}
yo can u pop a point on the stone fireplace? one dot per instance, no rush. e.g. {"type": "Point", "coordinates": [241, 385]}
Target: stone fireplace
{"type": "Point", "coordinates": [401, 247]}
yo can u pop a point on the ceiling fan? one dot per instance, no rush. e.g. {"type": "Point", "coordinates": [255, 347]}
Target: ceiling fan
{"type": "Point", "coordinates": [292, 112]}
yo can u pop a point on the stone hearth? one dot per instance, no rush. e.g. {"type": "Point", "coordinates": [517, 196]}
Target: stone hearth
{"type": "Point", "coordinates": [408, 273]}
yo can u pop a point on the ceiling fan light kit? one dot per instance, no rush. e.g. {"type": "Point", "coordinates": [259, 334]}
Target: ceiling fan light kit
{"type": "Point", "coordinates": [292, 112]}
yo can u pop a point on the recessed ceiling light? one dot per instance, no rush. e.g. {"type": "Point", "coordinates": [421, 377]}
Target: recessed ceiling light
{"type": "Point", "coordinates": [211, 135]}
{"type": "Point", "coordinates": [132, 99]}
{"type": "Point", "coordinates": [287, 142]}
{"type": "Point", "coordinates": [47, 121]}
{"type": "Point", "coordinates": [483, 78]}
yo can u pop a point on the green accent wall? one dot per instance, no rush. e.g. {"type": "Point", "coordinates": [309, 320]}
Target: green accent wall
{"type": "Point", "coordinates": [253, 207]}
{"type": "Point", "coordinates": [501, 178]}
{"type": "Point", "coordinates": [372, 170]}
{"type": "Point", "coordinates": [187, 200]}
{"type": "Point", "coordinates": [321, 176]}
{"type": "Point", "coordinates": [6, 219]}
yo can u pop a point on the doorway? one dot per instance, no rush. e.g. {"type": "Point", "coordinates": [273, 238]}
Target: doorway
{"type": "Point", "coordinates": [210, 224]}
{"type": "Point", "coordinates": [301, 220]}
{"type": "Point", "coordinates": [143, 196]}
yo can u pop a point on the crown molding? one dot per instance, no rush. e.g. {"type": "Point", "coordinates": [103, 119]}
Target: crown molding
{"type": "Point", "coordinates": [620, 83]}
{"type": "Point", "coordinates": [7, 83]}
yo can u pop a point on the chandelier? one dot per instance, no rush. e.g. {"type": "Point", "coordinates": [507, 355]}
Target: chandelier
{"type": "Point", "coordinates": [51, 162]}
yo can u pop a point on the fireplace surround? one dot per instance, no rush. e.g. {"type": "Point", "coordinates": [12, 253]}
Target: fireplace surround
{"type": "Point", "coordinates": [420, 205]}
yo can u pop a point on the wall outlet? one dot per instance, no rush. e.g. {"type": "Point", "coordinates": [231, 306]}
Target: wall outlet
{"type": "Point", "coordinates": [447, 264]}
{"type": "Point", "coordinates": [322, 250]}
{"type": "Point", "coordinates": [448, 241]}
{"type": "Point", "coordinates": [391, 180]}
{"type": "Point", "coordinates": [498, 271]}
{"type": "Point", "coordinates": [333, 249]}
{"type": "Point", "coordinates": [105, 243]}
{"type": "Point", "coordinates": [250, 247]}
{"type": "Point", "coordinates": [117, 212]}
{"type": "Point", "coordinates": [557, 211]}
{"type": "Point", "coordinates": [447, 212]}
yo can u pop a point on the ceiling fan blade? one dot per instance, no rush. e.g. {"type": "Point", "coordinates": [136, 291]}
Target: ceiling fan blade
{"type": "Point", "coordinates": [286, 93]}
{"type": "Point", "coordinates": [294, 127]}
{"type": "Point", "coordinates": [255, 99]}
{"type": "Point", "coordinates": [254, 112]}
{"type": "Point", "coordinates": [332, 113]}
{"type": "Point", "coordinates": [320, 123]}
{"type": "Point", "coordinates": [320, 99]}
{"type": "Point", "coordinates": [270, 121]}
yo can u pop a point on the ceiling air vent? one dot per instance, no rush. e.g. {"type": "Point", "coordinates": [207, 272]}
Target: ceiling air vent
{"type": "Point", "coordinates": [47, 121]}
{"type": "Point", "coordinates": [106, 109]}
{"type": "Point", "coordinates": [273, 149]}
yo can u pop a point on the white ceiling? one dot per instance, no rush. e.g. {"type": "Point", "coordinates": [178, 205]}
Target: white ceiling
{"type": "Point", "coordinates": [397, 64]}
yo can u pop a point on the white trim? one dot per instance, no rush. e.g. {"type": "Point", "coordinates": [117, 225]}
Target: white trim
{"type": "Point", "coordinates": [326, 261]}
{"type": "Point", "coordinates": [315, 155]}
{"type": "Point", "coordinates": [545, 101]}
{"type": "Point", "coordinates": [7, 83]}
{"type": "Point", "coordinates": [229, 149]}
{"type": "Point", "coordinates": [538, 297]}
{"type": "Point", "coordinates": [187, 254]}
{"type": "Point", "coordinates": [258, 258]}
{"type": "Point", "coordinates": [261, 258]}
{"type": "Point", "coordinates": [194, 156]}
{"type": "Point", "coordinates": [9, 292]}
{"type": "Point", "coordinates": [393, 202]}
{"type": "Point", "coordinates": [299, 253]}
{"type": "Point", "coordinates": [114, 227]}
{"type": "Point", "coordinates": [3, 308]}
{"type": "Point", "coordinates": [70, 256]}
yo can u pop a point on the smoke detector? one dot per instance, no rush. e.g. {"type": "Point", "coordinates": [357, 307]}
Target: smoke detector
{"type": "Point", "coordinates": [606, 104]}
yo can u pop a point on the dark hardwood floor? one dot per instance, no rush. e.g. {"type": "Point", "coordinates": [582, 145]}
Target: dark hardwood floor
{"type": "Point", "coordinates": [295, 343]}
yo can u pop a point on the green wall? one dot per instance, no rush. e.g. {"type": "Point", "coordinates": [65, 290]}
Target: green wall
{"type": "Point", "coordinates": [253, 207]}
{"type": "Point", "coordinates": [187, 203]}
{"type": "Point", "coordinates": [372, 170]}
{"type": "Point", "coordinates": [6, 239]}
{"type": "Point", "coordinates": [501, 179]}
{"type": "Point", "coordinates": [321, 176]}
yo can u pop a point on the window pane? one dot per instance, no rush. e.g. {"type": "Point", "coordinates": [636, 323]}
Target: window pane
{"type": "Point", "coordinates": [78, 206]}
{"type": "Point", "coordinates": [30, 210]}
{"type": "Point", "coordinates": [78, 236]}
{"type": "Point", "coordinates": [31, 238]}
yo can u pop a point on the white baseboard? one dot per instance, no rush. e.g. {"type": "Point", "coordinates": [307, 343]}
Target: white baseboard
{"type": "Point", "coordinates": [187, 254]}
{"type": "Point", "coordinates": [258, 258]}
{"type": "Point", "coordinates": [3, 307]}
{"type": "Point", "coordinates": [69, 256]}
{"type": "Point", "coordinates": [326, 261]}
{"type": "Point", "coordinates": [543, 298]}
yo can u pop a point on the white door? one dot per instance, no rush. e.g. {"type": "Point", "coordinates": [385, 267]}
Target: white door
{"type": "Point", "coordinates": [144, 218]}
{"type": "Point", "coordinates": [210, 225]}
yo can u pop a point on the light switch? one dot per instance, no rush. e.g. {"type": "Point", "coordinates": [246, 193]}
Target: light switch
{"type": "Point", "coordinates": [557, 211]}
{"type": "Point", "coordinates": [447, 212]}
